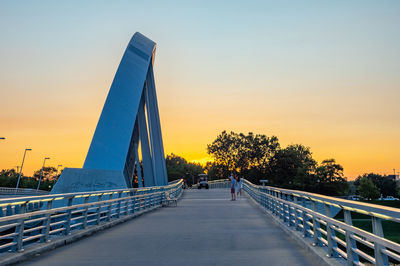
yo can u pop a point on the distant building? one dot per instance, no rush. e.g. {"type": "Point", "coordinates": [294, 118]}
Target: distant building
{"type": "Point", "coordinates": [394, 177]}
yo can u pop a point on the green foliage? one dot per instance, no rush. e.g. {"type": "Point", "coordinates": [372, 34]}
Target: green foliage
{"type": "Point", "coordinates": [178, 167]}
{"type": "Point", "coordinates": [9, 178]}
{"type": "Point", "coordinates": [367, 189]}
{"type": "Point", "coordinates": [331, 180]}
{"type": "Point", "coordinates": [386, 185]}
{"type": "Point", "coordinates": [247, 155]}
{"type": "Point", "coordinates": [293, 167]}
{"type": "Point", "coordinates": [259, 157]}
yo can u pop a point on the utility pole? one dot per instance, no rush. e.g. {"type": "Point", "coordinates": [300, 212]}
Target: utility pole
{"type": "Point", "coordinates": [55, 177]}
{"type": "Point", "coordinates": [41, 173]}
{"type": "Point", "coordinates": [22, 164]}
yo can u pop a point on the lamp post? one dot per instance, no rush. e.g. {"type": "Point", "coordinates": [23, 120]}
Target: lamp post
{"type": "Point", "coordinates": [55, 178]}
{"type": "Point", "coordinates": [22, 165]}
{"type": "Point", "coordinates": [41, 173]}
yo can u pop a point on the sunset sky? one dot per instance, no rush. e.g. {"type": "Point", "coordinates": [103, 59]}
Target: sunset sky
{"type": "Point", "coordinates": [325, 74]}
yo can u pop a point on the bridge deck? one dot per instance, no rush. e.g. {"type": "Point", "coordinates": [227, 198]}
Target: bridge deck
{"type": "Point", "coordinates": [205, 229]}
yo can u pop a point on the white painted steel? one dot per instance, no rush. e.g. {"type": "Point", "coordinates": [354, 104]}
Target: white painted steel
{"type": "Point", "coordinates": [286, 205]}
{"type": "Point", "coordinates": [25, 226]}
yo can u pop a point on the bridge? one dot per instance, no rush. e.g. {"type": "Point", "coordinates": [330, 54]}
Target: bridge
{"type": "Point", "coordinates": [120, 209]}
{"type": "Point", "coordinates": [266, 226]}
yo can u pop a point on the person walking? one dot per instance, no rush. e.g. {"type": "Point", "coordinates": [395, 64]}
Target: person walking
{"type": "Point", "coordinates": [239, 186]}
{"type": "Point", "coordinates": [233, 186]}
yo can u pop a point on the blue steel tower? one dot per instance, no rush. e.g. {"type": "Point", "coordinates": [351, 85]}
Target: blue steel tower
{"type": "Point", "coordinates": [129, 120]}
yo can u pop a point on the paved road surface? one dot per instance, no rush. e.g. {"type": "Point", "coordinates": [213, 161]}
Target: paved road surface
{"type": "Point", "coordinates": [205, 229]}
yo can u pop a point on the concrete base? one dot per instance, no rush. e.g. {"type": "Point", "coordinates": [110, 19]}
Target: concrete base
{"type": "Point", "coordinates": [74, 180]}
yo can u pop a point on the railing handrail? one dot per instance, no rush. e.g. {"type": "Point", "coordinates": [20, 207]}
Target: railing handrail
{"type": "Point", "coordinates": [28, 199]}
{"type": "Point", "coordinates": [384, 212]}
{"type": "Point", "coordinates": [290, 207]}
{"type": "Point", "coordinates": [75, 211]}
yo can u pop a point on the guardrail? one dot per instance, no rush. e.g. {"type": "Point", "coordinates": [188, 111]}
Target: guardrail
{"type": "Point", "coordinates": [61, 214]}
{"type": "Point", "coordinates": [21, 191]}
{"type": "Point", "coordinates": [220, 183]}
{"type": "Point", "coordinates": [340, 239]}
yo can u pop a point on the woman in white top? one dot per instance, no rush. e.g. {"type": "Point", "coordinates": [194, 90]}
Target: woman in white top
{"type": "Point", "coordinates": [239, 185]}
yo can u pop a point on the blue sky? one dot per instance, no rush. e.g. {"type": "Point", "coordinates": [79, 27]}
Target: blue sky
{"type": "Point", "coordinates": [320, 73]}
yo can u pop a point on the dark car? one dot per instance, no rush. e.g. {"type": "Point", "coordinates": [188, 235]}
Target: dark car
{"type": "Point", "coordinates": [202, 181]}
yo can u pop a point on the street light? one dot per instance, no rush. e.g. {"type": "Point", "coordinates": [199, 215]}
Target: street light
{"type": "Point", "coordinates": [22, 165]}
{"type": "Point", "coordinates": [55, 178]}
{"type": "Point", "coordinates": [41, 173]}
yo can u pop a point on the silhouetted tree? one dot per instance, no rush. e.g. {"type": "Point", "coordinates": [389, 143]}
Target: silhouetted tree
{"type": "Point", "coordinates": [367, 189]}
{"type": "Point", "coordinates": [330, 178]}
{"type": "Point", "coordinates": [248, 155]}
{"type": "Point", "coordinates": [386, 185]}
{"type": "Point", "coordinates": [178, 167]}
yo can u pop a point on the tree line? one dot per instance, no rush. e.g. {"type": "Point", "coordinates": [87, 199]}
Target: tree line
{"type": "Point", "coordinates": [259, 157]}
{"type": "Point", "coordinates": [255, 157]}
{"type": "Point", "coordinates": [9, 178]}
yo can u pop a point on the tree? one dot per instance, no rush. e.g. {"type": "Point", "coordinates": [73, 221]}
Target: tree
{"type": "Point", "coordinates": [8, 178]}
{"type": "Point", "coordinates": [367, 189]}
{"type": "Point", "coordinates": [48, 177]}
{"type": "Point", "coordinates": [386, 185]}
{"type": "Point", "coordinates": [247, 155]}
{"type": "Point", "coordinates": [256, 157]}
{"type": "Point", "coordinates": [293, 167]}
{"type": "Point", "coordinates": [178, 167]}
{"type": "Point", "coordinates": [330, 178]}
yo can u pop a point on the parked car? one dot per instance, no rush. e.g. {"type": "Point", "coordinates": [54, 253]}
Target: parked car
{"type": "Point", "coordinates": [353, 197]}
{"type": "Point", "coordinates": [202, 181]}
{"type": "Point", "coordinates": [389, 198]}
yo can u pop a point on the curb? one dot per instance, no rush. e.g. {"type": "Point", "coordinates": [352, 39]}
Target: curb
{"type": "Point", "coordinates": [318, 254]}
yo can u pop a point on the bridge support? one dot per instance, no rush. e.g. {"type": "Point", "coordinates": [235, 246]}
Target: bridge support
{"type": "Point", "coordinates": [128, 123]}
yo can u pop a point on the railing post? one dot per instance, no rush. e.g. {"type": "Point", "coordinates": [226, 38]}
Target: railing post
{"type": "Point", "coordinates": [46, 224]}
{"type": "Point", "coordinates": [289, 212]}
{"type": "Point", "coordinates": [296, 221]}
{"type": "Point", "coordinates": [119, 205]}
{"type": "Point", "coordinates": [129, 194]}
{"type": "Point", "coordinates": [68, 218]}
{"type": "Point", "coordinates": [99, 198]}
{"type": "Point", "coordinates": [85, 213]}
{"type": "Point", "coordinates": [380, 258]}
{"type": "Point", "coordinates": [19, 230]}
{"type": "Point", "coordinates": [109, 207]}
{"type": "Point", "coordinates": [352, 257]}
{"type": "Point", "coordinates": [330, 234]}
{"type": "Point", "coordinates": [316, 226]}
{"type": "Point", "coordinates": [306, 226]}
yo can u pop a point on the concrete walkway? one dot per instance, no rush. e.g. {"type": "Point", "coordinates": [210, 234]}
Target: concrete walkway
{"type": "Point", "coordinates": [205, 229]}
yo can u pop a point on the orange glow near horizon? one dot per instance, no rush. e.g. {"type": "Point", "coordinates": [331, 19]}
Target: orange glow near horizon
{"type": "Point", "coordinates": [324, 75]}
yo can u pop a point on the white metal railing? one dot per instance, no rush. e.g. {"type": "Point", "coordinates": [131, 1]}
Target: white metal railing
{"type": "Point", "coordinates": [220, 183]}
{"type": "Point", "coordinates": [61, 214]}
{"type": "Point", "coordinates": [21, 191]}
{"type": "Point", "coordinates": [302, 211]}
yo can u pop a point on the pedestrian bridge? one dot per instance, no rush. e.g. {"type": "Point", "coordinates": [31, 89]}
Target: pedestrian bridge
{"type": "Point", "coordinates": [266, 226]}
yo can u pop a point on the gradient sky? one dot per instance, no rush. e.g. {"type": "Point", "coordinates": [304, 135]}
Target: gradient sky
{"type": "Point", "coordinates": [325, 74]}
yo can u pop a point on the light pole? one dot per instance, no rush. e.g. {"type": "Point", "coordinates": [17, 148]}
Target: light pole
{"type": "Point", "coordinates": [41, 173]}
{"type": "Point", "coordinates": [20, 171]}
{"type": "Point", "coordinates": [55, 178]}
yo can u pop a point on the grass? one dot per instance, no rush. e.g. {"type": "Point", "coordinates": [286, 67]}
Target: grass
{"type": "Point", "coordinates": [391, 230]}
